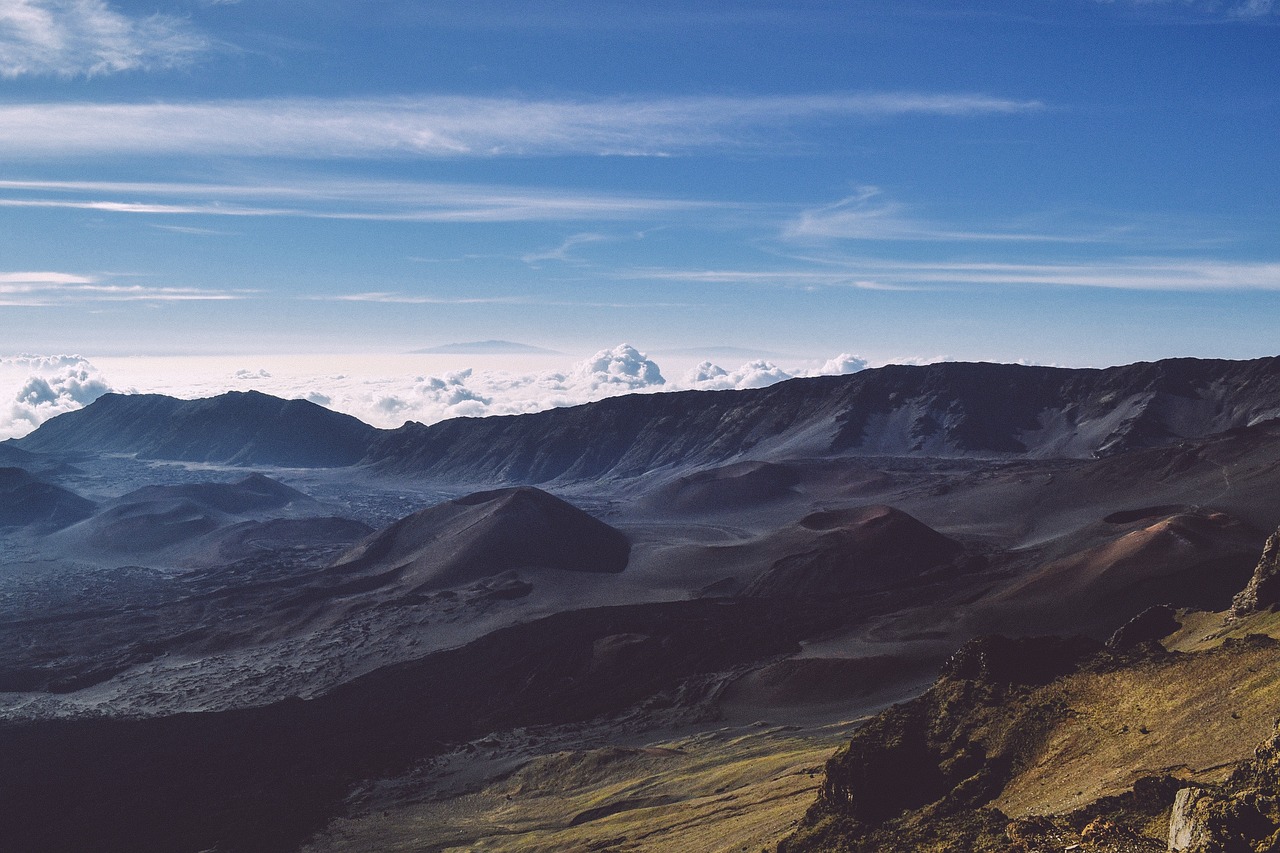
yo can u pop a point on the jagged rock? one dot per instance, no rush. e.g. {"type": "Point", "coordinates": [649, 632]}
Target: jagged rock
{"type": "Point", "coordinates": [1027, 660]}
{"type": "Point", "coordinates": [1186, 830]}
{"type": "Point", "coordinates": [1241, 815]}
{"type": "Point", "coordinates": [1263, 591]}
{"type": "Point", "coordinates": [1148, 626]}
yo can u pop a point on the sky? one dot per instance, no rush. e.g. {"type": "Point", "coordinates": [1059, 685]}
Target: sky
{"type": "Point", "coordinates": [198, 195]}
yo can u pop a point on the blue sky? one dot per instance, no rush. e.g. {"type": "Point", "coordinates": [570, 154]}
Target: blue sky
{"type": "Point", "coordinates": [1079, 183]}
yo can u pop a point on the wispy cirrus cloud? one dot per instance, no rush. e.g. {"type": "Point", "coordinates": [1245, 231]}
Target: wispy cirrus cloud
{"type": "Point", "coordinates": [1253, 9]}
{"type": "Point", "coordinates": [44, 289]}
{"type": "Point", "coordinates": [799, 278]}
{"type": "Point", "coordinates": [45, 279]}
{"type": "Point", "coordinates": [454, 126]}
{"type": "Point", "coordinates": [69, 38]}
{"type": "Point", "coordinates": [867, 215]}
{"type": "Point", "coordinates": [1152, 274]}
{"type": "Point", "coordinates": [563, 252]}
{"type": "Point", "coordinates": [400, 298]}
{"type": "Point", "coordinates": [1230, 9]}
{"type": "Point", "coordinates": [369, 200]}
{"type": "Point", "coordinates": [393, 298]}
{"type": "Point", "coordinates": [1173, 274]}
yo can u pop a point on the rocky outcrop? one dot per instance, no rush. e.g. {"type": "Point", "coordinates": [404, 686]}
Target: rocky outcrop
{"type": "Point", "coordinates": [1010, 721]}
{"type": "Point", "coordinates": [1148, 626]}
{"type": "Point", "coordinates": [1029, 661]}
{"type": "Point", "coordinates": [929, 769]}
{"type": "Point", "coordinates": [1186, 825]}
{"type": "Point", "coordinates": [1240, 816]}
{"type": "Point", "coordinates": [1263, 591]}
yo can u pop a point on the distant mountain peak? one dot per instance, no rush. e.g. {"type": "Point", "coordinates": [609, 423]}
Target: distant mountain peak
{"type": "Point", "coordinates": [492, 347]}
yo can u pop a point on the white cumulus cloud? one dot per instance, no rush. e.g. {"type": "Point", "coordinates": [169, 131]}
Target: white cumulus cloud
{"type": "Point", "coordinates": [43, 387]}
{"type": "Point", "coordinates": [841, 364]}
{"type": "Point", "coordinates": [623, 366]}
{"type": "Point", "coordinates": [753, 374]}
{"type": "Point", "coordinates": [761, 373]}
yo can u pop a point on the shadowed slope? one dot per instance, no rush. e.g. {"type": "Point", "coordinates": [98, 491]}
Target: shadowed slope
{"type": "Point", "coordinates": [154, 518]}
{"type": "Point", "coordinates": [25, 500]}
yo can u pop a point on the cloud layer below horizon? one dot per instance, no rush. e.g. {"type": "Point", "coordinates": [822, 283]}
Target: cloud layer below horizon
{"type": "Point", "coordinates": [38, 388]}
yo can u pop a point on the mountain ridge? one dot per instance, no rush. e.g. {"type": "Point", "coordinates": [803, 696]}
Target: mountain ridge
{"type": "Point", "coordinates": [951, 409]}
{"type": "Point", "coordinates": [236, 428]}
{"type": "Point", "coordinates": [960, 409]}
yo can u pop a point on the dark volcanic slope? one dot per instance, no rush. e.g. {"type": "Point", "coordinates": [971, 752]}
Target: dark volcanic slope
{"type": "Point", "coordinates": [254, 493]}
{"type": "Point", "coordinates": [264, 779]}
{"type": "Point", "coordinates": [484, 534]}
{"type": "Point", "coordinates": [1192, 559]}
{"type": "Point", "coordinates": [237, 428]}
{"type": "Point", "coordinates": [158, 517]}
{"type": "Point", "coordinates": [731, 488]}
{"type": "Point", "coordinates": [12, 456]}
{"type": "Point", "coordinates": [24, 500]}
{"type": "Point", "coordinates": [986, 410]}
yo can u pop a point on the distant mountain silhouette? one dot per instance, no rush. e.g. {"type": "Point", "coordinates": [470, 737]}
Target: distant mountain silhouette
{"type": "Point", "coordinates": [484, 348]}
{"type": "Point", "coordinates": [237, 428]}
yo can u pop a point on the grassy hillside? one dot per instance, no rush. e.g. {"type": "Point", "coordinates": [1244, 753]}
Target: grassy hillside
{"type": "Point", "coordinates": [1004, 754]}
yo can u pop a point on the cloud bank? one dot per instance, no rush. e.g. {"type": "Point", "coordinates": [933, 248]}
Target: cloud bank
{"type": "Point", "coordinates": [478, 393]}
